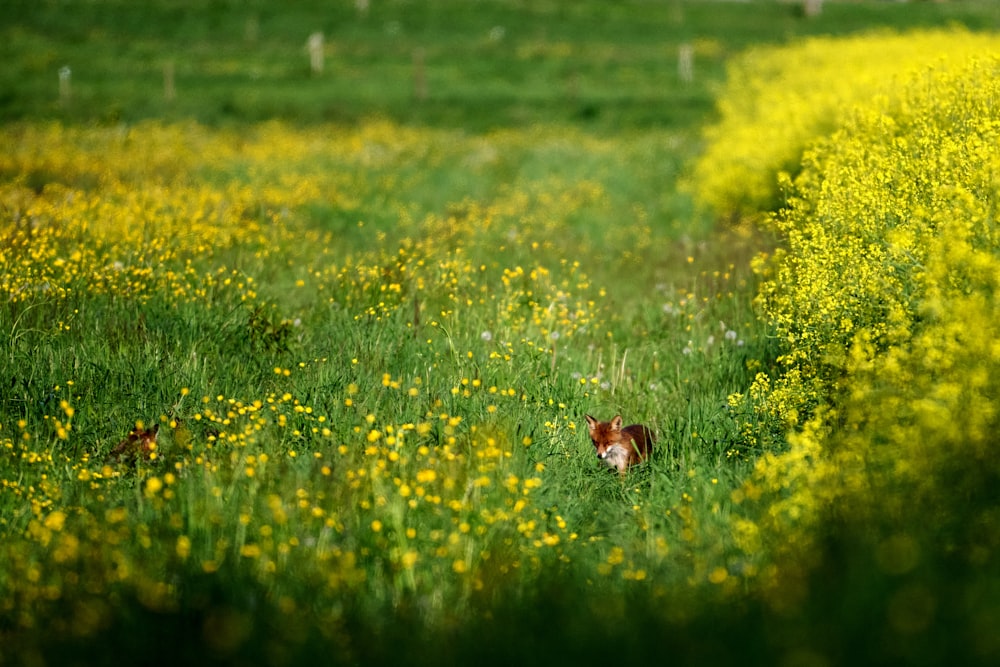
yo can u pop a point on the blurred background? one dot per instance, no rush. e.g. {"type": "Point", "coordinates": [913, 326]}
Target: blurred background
{"type": "Point", "coordinates": [461, 63]}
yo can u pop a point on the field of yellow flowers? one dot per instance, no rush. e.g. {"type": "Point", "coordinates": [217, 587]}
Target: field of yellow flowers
{"type": "Point", "coordinates": [355, 363]}
{"type": "Point", "coordinates": [884, 296]}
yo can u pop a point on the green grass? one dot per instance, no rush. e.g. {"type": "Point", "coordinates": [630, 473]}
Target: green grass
{"type": "Point", "coordinates": [499, 257]}
{"type": "Point", "coordinates": [609, 66]}
{"type": "Point", "coordinates": [557, 149]}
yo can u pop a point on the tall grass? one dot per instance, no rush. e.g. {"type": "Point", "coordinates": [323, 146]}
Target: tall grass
{"type": "Point", "coordinates": [359, 417]}
{"type": "Point", "coordinates": [366, 349]}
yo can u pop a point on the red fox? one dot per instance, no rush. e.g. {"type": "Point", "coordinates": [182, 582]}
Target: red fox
{"type": "Point", "coordinates": [140, 444]}
{"type": "Point", "coordinates": [620, 447]}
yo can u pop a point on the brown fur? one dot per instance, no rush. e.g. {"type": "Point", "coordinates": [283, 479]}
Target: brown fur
{"type": "Point", "coordinates": [620, 446]}
{"type": "Point", "coordinates": [139, 444]}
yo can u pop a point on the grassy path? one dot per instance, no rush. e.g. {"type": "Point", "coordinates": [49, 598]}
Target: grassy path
{"type": "Point", "coordinates": [366, 336]}
{"type": "Point", "coordinates": [368, 353]}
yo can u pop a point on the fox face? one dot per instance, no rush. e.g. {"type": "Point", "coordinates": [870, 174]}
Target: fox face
{"type": "Point", "coordinates": [620, 446]}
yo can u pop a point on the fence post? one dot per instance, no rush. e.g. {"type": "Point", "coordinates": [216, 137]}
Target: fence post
{"type": "Point", "coordinates": [419, 75]}
{"type": "Point", "coordinates": [812, 7]}
{"type": "Point", "coordinates": [315, 47]}
{"type": "Point", "coordinates": [251, 29]}
{"type": "Point", "coordinates": [685, 63]}
{"type": "Point", "coordinates": [65, 84]}
{"type": "Point", "coordinates": [169, 91]}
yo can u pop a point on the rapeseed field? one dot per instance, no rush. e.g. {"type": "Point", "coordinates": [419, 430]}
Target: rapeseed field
{"type": "Point", "coordinates": [883, 295]}
{"type": "Point", "coordinates": [280, 394]}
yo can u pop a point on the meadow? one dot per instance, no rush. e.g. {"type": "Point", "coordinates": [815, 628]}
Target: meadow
{"type": "Point", "coordinates": [365, 329]}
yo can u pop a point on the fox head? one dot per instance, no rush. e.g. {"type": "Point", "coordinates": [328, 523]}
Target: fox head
{"type": "Point", "coordinates": [611, 444]}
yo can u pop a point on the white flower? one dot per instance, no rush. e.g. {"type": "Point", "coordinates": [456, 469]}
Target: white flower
{"type": "Point", "coordinates": [486, 335]}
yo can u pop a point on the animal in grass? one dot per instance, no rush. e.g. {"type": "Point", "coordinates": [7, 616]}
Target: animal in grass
{"type": "Point", "coordinates": [620, 446]}
{"type": "Point", "coordinates": [140, 444]}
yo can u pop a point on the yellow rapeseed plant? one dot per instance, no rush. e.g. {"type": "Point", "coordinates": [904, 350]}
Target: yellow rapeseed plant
{"type": "Point", "coordinates": [780, 100]}
{"type": "Point", "coordinates": [885, 294]}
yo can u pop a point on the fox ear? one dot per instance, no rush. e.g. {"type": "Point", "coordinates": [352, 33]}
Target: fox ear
{"type": "Point", "coordinates": [591, 422]}
{"type": "Point", "coordinates": [616, 423]}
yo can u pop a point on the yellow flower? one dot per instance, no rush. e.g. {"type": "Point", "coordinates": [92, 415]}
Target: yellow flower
{"type": "Point", "coordinates": [55, 520]}
{"type": "Point", "coordinates": [616, 556]}
{"type": "Point", "coordinates": [183, 547]}
{"type": "Point", "coordinates": [251, 551]}
{"type": "Point", "coordinates": [718, 575]}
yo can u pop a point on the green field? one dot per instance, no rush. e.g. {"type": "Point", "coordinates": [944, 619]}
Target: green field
{"type": "Point", "coordinates": [367, 310]}
{"type": "Point", "coordinates": [606, 66]}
